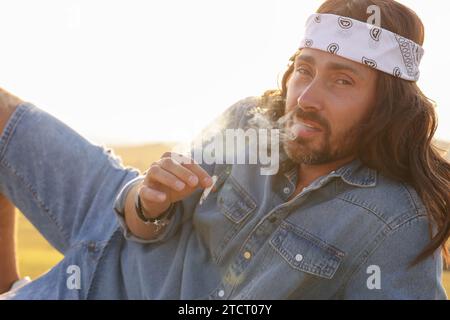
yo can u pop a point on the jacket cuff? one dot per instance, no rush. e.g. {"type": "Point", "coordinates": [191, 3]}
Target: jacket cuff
{"type": "Point", "coordinates": [119, 213]}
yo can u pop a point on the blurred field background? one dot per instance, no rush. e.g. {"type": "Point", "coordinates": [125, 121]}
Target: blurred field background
{"type": "Point", "coordinates": [36, 256]}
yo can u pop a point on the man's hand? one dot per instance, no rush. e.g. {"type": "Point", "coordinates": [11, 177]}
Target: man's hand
{"type": "Point", "coordinates": [171, 179]}
{"type": "Point", "coordinates": [8, 103]}
{"type": "Point", "coordinates": [8, 100]}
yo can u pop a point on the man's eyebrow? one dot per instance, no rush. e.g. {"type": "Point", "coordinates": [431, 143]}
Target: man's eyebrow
{"type": "Point", "coordinates": [306, 58]}
{"type": "Point", "coordinates": [341, 66]}
{"type": "Point", "coordinates": [330, 65]}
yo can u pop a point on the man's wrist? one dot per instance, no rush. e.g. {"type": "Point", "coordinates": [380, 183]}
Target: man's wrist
{"type": "Point", "coordinates": [119, 203]}
{"type": "Point", "coordinates": [125, 208]}
{"type": "Point", "coordinates": [159, 221]}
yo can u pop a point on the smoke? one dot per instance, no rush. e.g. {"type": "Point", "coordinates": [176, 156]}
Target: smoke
{"type": "Point", "coordinates": [283, 124]}
{"type": "Point", "coordinates": [258, 141]}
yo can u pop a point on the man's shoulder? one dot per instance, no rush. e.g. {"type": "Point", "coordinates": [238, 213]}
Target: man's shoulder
{"type": "Point", "coordinates": [393, 202]}
{"type": "Point", "coordinates": [242, 110]}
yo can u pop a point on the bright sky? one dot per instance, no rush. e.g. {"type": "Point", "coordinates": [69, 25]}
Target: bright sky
{"type": "Point", "coordinates": [137, 71]}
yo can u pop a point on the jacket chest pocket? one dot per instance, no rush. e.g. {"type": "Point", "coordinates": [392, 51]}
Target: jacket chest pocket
{"type": "Point", "coordinates": [234, 205]}
{"type": "Point", "coordinates": [305, 252]}
{"type": "Point", "coordinates": [234, 202]}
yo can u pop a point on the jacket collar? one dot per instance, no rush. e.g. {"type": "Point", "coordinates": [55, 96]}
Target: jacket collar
{"type": "Point", "coordinates": [357, 174]}
{"type": "Point", "coordinates": [354, 173]}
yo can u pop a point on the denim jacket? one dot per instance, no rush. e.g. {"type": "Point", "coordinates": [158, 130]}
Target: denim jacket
{"type": "Point", "coordinates": [350, 234]}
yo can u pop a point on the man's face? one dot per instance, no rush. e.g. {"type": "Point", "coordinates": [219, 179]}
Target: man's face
{"type": "Point", "coordinates": [329, 97]}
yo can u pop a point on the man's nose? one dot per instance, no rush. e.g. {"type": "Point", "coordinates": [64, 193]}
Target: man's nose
{"type": "Point", "coordinates": [312, 97]}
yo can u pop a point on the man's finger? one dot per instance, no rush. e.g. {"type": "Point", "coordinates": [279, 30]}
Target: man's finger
{"type": "Point", "coordinates": [203, 176]}
{"type": "Point", "coordinates": [149, 194]}
{"type": "Point", "coordinates": [158, 174]}
{"type": "Point", "coordinates": [179, 171]}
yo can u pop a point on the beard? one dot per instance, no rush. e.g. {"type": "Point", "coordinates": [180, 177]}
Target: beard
{"type": "Point", "coordinates": [324, 147]}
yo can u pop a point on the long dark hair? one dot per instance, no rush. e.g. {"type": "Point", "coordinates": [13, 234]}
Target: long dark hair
{"type": "Point", "coordinates": [397, 139]}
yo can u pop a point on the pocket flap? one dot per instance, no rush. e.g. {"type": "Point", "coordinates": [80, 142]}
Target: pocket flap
{"type": "Point", "coordinates": [234, 202]}
{"type": "Point", "coordinates": [306, 252]}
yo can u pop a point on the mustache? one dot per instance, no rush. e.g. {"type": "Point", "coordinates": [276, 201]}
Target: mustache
{"type": "Point", "coordinates": [283, 124]}
{"type": "Point", "coordinates": [300, 114]}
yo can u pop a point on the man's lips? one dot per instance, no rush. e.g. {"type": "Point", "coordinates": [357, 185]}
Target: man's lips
{"type": "Point", "coordinates": [304, 128]}
{"type": "Point", "coordinates": [309, 124]}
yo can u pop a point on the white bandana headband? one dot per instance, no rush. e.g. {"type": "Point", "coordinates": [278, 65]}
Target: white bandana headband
{"type": "Point", "coordinates": [364, 43]}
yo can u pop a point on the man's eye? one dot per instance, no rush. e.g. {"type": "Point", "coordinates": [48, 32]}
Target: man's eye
{"type": "Point", "coordinates": [302, 71]}
{"type": "Point", "coordinates": [343, 82]}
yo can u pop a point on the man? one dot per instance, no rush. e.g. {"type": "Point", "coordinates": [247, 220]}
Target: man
{"type": "Point", "coordinates": [358, 209]}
